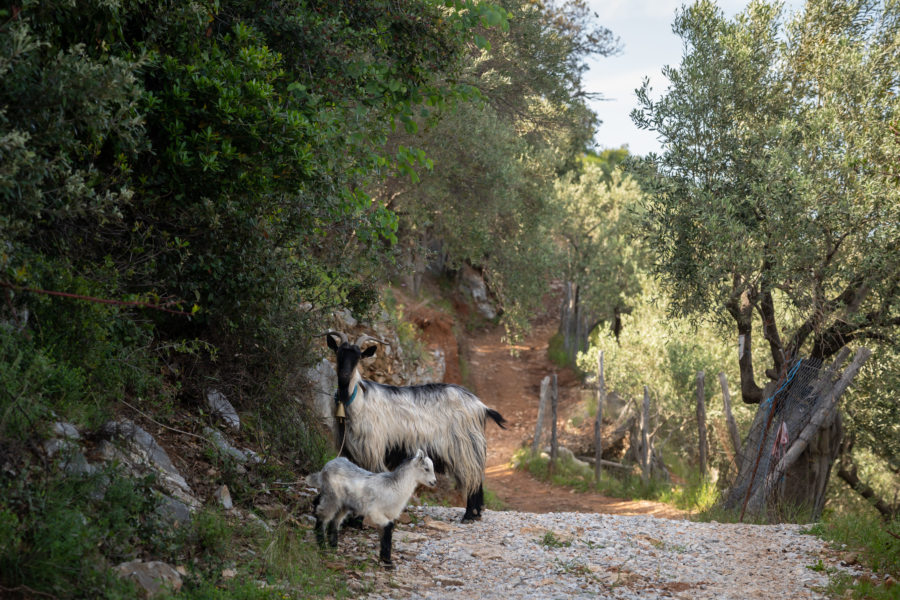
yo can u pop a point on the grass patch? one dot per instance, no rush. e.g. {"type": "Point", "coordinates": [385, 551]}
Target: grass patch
{"type": "Point", "coordinates": [870, 537]}
{"type": "Point", "coordinates": [556, 351]}
{"type": "Point", "coordinates": [492, 502]}
{"type": "Point", "coordinates": [697, 496]}
{"type": "Point", "coordinates": [874, 543]}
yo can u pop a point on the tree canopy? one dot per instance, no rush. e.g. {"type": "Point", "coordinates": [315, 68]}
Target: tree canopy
{"type": "Point", "coordinates": [771, 200]}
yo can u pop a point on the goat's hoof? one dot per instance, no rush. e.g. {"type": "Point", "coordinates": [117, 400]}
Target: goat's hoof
{"type": "Point", "coordinates": [387, 565]}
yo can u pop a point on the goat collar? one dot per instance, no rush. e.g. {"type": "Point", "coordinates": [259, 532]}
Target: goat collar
{"type": "Point", "coordinates": [352, 396]}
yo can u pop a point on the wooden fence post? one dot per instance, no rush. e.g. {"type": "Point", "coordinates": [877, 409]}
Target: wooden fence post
{"type": "Point", "coordinates": [542, 409]}
{"type": "Point", "coordinates": [554, 401]}
{"type": "Point", "coordinates": [729, 422]}
{"type": "Point", "coordinates": [598, 421]}
{"type": "Point", "coordinates": [645, 439]}
{"type": "Point", "coordinates": [701, 422]}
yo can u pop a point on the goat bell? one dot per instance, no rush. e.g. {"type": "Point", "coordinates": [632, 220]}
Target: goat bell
{"type": "Point", "coordinates": [339, 412]}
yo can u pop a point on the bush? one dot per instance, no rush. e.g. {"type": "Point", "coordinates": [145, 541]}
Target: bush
{"type": "Point", "coordinates": [60, 533]}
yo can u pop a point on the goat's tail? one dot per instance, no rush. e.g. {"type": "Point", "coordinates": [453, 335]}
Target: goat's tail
{"type": "Point", "coordinates": [497, 417]}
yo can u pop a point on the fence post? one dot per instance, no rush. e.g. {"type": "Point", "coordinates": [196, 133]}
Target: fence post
{"type": "Point", "coordinates": [598, 421]}
{"type": "Point", "coordinates": [729, 421]}
{"type": "Point", "coordinates": [554, 400]}
{"type": "Point", "coordinates": [542, 409]}
{"type": "Point", "coordinates": [701, 422]}
{"type": "Point", "coordinates": [645, 438]}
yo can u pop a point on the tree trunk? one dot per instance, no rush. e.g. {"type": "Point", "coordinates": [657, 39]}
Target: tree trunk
{"type": "Point", "coordinates": [729, 420]}
{"type": "Point", "coordinates": [542, 410]}
{"type": "Point", "coordinates": [645, 437]}
{"type": "Point", "coordinates": [554, 402]}
{"type": "Point", "coordinates": [787, 479]}
{"type": "Point", "coordinates": [701, 423]}
{"type": "Point", "coordinates": [574, 324]}
{"type": "Point", "coordinates": [598, 421]}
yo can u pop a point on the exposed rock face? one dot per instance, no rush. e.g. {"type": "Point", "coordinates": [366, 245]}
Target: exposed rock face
{"type": "Point", "coordinates": [471, 282]}
{"type": "Point", "coordinates": [152, 578]}
{"type": "Point", "coordinates": [65, 445]}
{"type": "Point", "coordinates": [223, 496]}
{"type": "Point", "coordinates": [225, 447]}
{"type": "Point", "coordinates": [141, 453]}
{"type": "Point", "coordinates": [323, 379]}
{"type": "Point", "coordinates": [222, 408]}
{"type": "Point", "coordinates": [173, 512]}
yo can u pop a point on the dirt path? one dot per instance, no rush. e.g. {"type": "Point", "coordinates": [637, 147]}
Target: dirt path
{"type": "Point", "coordinates": [511, 385]}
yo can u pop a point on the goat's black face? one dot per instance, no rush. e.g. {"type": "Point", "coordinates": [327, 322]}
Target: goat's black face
{"type": "Point", "coordinates": [348, 357]}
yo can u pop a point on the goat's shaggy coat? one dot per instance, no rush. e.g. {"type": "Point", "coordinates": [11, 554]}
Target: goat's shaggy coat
{"type": "Point", "coordinates": [345, 488]}
{"type": "Point", "coordinates": [386, 422]}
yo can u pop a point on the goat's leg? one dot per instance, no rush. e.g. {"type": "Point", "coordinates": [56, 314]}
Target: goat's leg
{"type": "Point", "coordinates": [386, 537]}
{"type": "Point", "coordinates": [320, 532]}
{"type": "Point", "coordinates": [333, 533]}
{"type": "Point", "coordinates": [335, 527]}
{"type": "Point", "coordinates": [474, 505]}
{"type": "Point", "coordinates": [321, 523]}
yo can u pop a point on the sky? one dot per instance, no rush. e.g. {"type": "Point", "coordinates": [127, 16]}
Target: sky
{"type": "Point", "coordinates": [645, 30]}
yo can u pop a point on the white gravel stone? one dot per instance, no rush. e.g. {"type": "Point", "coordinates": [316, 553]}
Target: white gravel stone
{"type": "Point", "coordinates": [505, 556]}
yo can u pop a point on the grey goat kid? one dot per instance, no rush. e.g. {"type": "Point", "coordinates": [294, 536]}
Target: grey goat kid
{"type": "Point", "coordinates": [386, 424]}
{"type": "Point", "coordinates": [347, 489]}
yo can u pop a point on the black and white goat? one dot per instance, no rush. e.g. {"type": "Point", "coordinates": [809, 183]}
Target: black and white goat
{"type": "Point", "coordinates": [385, 423]}
{"type": "Point", "coordinates": [347, 489]}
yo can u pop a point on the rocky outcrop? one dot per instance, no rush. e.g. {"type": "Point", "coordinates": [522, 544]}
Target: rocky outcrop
{"type": "Point", "coordinates": [227, 449]}
{"type": "Point", "coordinates": [471, 283]}
{"type": "Point", "coordinates": [153, 578]}
{"type": "Point", "coordinates": [220, 407]}
{"type": "Point", "coordinates": [141, 454]}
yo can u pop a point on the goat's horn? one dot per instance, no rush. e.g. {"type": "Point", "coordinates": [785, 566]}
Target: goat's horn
{"type": "Point", "coordinates": [366, 337]}
{"type": "Point", "coordinates": [340, 334]}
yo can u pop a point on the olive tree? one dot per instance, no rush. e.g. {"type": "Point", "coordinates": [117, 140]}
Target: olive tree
{"type": "Point", "coordinates": [598, 225]}
{"type": "Point", "coordinates": [771, 205]}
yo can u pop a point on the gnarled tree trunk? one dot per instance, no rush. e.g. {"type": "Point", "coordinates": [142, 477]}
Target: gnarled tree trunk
{"type": "Point", "coordinates": [795, 438]}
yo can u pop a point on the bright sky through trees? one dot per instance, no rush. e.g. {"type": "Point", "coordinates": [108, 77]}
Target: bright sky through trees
{"type": "Point", "coordinates": [645, 29]}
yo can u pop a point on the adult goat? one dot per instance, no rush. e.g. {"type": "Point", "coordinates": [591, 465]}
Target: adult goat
{"type": "Point", "coordinates": [380, 425]}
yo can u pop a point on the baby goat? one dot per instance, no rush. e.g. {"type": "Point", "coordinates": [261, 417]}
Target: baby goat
{"type": "Point", "coordinates": [345, 488]}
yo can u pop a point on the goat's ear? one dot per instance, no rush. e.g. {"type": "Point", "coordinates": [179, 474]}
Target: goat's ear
{"type": "Point", "coordinates": [370, 351]}
{"type": "Point", "coordinates": [331, 343]}
{"type": "Point", "coordinates": [420, 454]}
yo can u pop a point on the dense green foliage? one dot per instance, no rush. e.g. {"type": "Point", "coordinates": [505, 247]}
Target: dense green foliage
{"type": "Point", "coordinates": [186, 189]}
{"type": "Point", "coordinates": [488, 200]}
{"type": "Point", "coordinates": [597, 215]}
{"type": "Point", "coordinates": [204, 159]}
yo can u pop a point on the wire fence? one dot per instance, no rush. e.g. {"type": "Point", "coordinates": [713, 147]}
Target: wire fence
{"type": "Point", "coordinates": [779, 421]}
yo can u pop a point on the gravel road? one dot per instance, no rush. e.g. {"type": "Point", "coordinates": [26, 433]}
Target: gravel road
{"type": "Point", "coordinates": [524, 556]}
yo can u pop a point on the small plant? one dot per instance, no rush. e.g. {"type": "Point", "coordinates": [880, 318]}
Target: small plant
{"type": "Point", "coordinates": [557, 353]}
{"type": "Point", "coordinates": [492, 502]}
{"type": "Point", "coordinates": [551, 540]}
{"type": "Point", "coordinates": [819, 567]}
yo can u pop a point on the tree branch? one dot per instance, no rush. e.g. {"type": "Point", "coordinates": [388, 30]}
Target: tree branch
{"type": "Point", "coordinates": [766, 310]}
{"type": "Point", "coordinates": [847, 471]}
{"type": "Point", "coordinates": [741, 309]}
{"type": "Point", "coordinates": [137, 303]}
